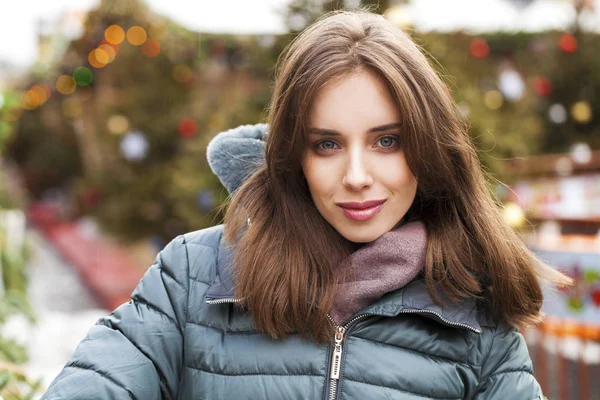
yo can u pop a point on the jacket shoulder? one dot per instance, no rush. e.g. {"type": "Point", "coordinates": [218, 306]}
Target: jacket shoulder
{"type": "Point", "coordinates": [209, 237]}
{"type": "Point", "coordinates": [203, 253]}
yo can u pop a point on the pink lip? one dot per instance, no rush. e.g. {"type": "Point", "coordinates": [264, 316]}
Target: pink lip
{"type": "Point", "coordinates": [361, 211]}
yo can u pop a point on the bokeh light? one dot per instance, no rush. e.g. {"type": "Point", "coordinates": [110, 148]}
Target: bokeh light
{"type": "Point", "coordinates": [493, 99]}
{"type": "Point", "coordinates": [563, 166]}
{"type": "Point", "coordinates": [513, 214]}
{"type": "Point", "coordinates": [43, 91]}
{"type": "Point", "coordinates": [479, 48]}
{"type": "Point", "coordinates": [581, 153]}
{"type": "Point", "coordinates": [567, 43]}
{"type": "Point", "coordinates": [182, 73]}
{"type": "Point", "coordinates": [581, 112]}
{"type": "Point", "coordinates": [151, 48]}
{"type": "Point", "coordinates": [134, 146]}
{"type": "Point", "coordinates": [136, 35]}
{"type": "Point", "coordinates": [83, 76]}
{"type": "Point", "coordinates": [117, 124]}
{"type": "Point", "coordinates": [542, 86]}
{"type": "Point", "coordinates": [557, 113]}
{"type": "Point", "coordinates": [98, 58]}
{"type": "Point", "coordinates": [114, 34]}
{"type": "Point", "coordinates": [65, 84]}
{"type": "Point", "coordinates": [464, 109]}
{"type": "Point", "coordinates": [158, 31]}
{"type": "Point", "coordinates": [511, 84]}
{"type": "Point", "coordinates": [30, 100]}
{"type": "Point", "coordinates": [188, 127]}
{"type": "Point", "coordinates": [109, 50]}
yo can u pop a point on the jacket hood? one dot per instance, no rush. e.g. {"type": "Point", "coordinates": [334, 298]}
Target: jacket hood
{"type": "Point", "coordinates": [234, 154]}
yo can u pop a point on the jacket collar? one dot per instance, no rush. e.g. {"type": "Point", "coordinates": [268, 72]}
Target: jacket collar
{"type": "Point", "coordinates": [412, 298]}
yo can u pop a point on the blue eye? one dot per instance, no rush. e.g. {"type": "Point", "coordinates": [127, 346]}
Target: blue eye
{"type": "Point", "coordinates": [388, 142]}
{"type": "Point", "coordinates": [326, 145]}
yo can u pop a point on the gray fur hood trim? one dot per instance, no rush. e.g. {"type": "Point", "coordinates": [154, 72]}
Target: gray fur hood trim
{"type": "Point", "coordinates": [235, 154]}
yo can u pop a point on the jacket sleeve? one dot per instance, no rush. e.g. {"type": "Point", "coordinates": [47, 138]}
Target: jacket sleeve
{"type": "Point", "coordinates": [507, 372]}
{"type": "Point", "coordinates": [136, 352]}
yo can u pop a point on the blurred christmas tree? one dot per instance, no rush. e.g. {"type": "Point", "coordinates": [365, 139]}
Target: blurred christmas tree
{"type": "Point", "coordinates": [138, 97]}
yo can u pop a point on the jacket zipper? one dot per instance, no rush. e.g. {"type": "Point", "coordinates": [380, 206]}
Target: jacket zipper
{"type": "Point", "coordinates": [340, 331]}
{"type": "Point", "coordinates": [336, 354]}
{"type": "Point", "coordinates": [438, 315]}
{"type": "Point", "coordinates": [223, 301]}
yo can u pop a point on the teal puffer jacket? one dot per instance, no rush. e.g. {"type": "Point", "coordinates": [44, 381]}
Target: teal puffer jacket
{"type": "Point", "coordinates": [183, 337]}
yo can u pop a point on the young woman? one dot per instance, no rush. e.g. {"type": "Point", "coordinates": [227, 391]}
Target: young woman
{"type": "Point", "coordinates": [362, 256]}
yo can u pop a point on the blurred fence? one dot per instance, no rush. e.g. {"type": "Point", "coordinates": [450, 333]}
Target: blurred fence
{"type": "Point", "coordinates": [566, 359]}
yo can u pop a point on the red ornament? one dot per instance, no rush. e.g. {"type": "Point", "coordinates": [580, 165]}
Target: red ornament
{"type": "Point", "coordinates": [479, 48]}
{"type": "Point", "coordinates": [595, 294]}
{"type": "Point", "coordinates": [543, 86]}
{"type": "Point", "coordinates": [567, 43]}
{"type": "Point", "coordinates": [188, 127]}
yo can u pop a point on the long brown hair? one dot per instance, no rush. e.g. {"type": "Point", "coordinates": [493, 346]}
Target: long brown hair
{"type": "Point", "coordinates": [286, 257]}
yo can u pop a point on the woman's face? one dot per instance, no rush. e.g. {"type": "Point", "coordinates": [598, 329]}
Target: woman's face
{"type": "Point", "coordinates": [354, 162]}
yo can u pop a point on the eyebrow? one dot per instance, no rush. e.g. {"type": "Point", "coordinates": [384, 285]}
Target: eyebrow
{"type": "Point", "coordinates": [331, 132]}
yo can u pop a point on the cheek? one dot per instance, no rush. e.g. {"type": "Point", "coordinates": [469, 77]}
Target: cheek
{"type": "Point", "coordinates": [395, 173]}
{"type": "Point", "coordinates": [320, 175]}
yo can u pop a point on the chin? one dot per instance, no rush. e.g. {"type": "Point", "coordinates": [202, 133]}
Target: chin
{"type": "Point", "coordinates": [361, 235]}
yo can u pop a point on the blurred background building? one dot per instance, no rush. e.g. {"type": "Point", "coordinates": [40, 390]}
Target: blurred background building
{"type": "Point", "coordinates": [106, 108]}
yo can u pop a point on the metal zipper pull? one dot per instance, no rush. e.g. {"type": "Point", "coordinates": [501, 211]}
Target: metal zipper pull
{"type": "Point", "coordinates": [336, 356]}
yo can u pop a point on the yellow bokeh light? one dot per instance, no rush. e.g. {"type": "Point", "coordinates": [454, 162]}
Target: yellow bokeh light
{"type": "Point", "coordinates": [493, 100]}
{"type": "Point", "coordinates": [65, 84]}
{"type": "Point", "coordinates": [513, 214]}
{"type": "Point", "coordinates": [42, 91]}
{"type": "Point", "coordinates": [136, 35]}
{"type": "Point", "coordinates": [30, 100]}
{"type": "Point", "coordinates": [98, 58]}
{"type": "Point", "coordinates": [114, 34]}
{"type": "Point", "coordinates": [581, 111]}
{"type": "Point", "coordinates": [109, 50]}
{"type": "Point", "coordinates": [151, 48]}
{"type": "Point", "coordinates": [117, 124]}
{"type": "Point", "coordinates": [102, 56]}
{"type": "Point", "coordinates": [182, 73]}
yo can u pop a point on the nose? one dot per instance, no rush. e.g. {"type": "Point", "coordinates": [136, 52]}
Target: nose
{"type": "Point", "coordinates": [357, 175]}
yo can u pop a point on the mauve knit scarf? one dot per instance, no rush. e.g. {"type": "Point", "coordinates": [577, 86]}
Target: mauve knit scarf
{"type": "Point", "coordinates": [379, 267]}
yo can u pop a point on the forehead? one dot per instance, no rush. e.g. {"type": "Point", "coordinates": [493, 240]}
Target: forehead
{"type": "Point", "coordinates": [354, 104]}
